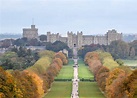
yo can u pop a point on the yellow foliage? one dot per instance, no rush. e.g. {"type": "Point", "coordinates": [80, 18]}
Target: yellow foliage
{"type": "Point", "coordinates": [8, 88]}
{"type": "Point", "coordinates": [110, 63]}
{"type": "Point", "coordinates": [38, 82]}
{"type": "Point", "coordinates": [104, 55]}
{"type": "Point", "coordinates": [41, 65]}
{"type": "Point", "coordinates": [47, 53]}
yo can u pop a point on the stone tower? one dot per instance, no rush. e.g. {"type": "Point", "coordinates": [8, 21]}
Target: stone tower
{"type": "Point", "coordinates": [48, 36]}
{"type": "Point", "coordinates": [79, 39]}
{"type": "Point", "coordinates": [112, 35]}
{"type": "Point", "coordinates": [30, 33]}
{"type": "Point", "coordinates": [70, 39]}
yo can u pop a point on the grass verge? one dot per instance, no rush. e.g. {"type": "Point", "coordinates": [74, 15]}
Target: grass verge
{"type": "Point", "coordinates": [83, 71]}
{"type": "Point", "coordinates": [89, 90]}
{"type": "Point", "coordinates": [66, 72]}
{"type": "Point", "coordinates": [60, 90]}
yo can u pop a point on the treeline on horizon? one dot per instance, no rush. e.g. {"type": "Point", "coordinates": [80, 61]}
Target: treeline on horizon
{"type": "Point", "coordinates": [118, 49]}
{"type": "Point", "coordinates": [114, 79]}
{"type": "Point", "coordinates": [34, 81]}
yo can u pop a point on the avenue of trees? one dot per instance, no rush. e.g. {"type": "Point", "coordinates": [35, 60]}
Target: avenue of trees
{"type": "Point", "coordinates": [116, 81]}
{"type": "Point", "coordinates": [34, 81]}
{"type": "Point", "coordinates": [119, 49]}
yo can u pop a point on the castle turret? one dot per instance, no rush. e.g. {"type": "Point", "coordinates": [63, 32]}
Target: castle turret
{"type": "Point", "coordinates": [112, 35]}
{"type": "Point", "coordinates": [70, 39]}
{"type": "Point", "coordinates": [48, 36]}
{"type": "Point", "coordinates": [30, 33]}
{"type": "Point", "coordinates": [79, 39]}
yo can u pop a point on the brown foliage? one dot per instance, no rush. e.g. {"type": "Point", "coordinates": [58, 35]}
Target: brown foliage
{"type": "Point", "coordinates": [101, 77]}
{"type": "Point", "coordinates": [29, 84]}
{"type": "Point", "coordinates": [8, 88]}
{"type": "Point", "coordinates": [34, 81]}
{"type": "Point", "coordinates": [116, 81]}
{"type": "Point", "coordinates": [94, 66]}
{"type": "Point", "coordinates": [115, 84]}
{"type": "Point", "coordinates": [132, 84]}
{"type": "Point", "coordinates": [62, 57]}
{"type": "Point", "coordinates": [91, 55]}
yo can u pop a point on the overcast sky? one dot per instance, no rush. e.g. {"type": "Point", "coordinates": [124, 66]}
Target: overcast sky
{"type": "Point", "coordinates": [60, 16]}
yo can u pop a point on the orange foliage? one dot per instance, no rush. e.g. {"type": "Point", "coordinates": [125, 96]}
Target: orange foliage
{"type": "Point", "coordinates": [115, 84]}
{"type": "Point", "coordinates": [58, 61]}
{"type": "Point", "coordinates": [115, 81]}
{"type": "Point", "coordinates": [26, 84]}
{"type": "Point", "coordinates": [94, 66]}
{"type": "Point", "coordinates": [37, 81]}
{"type": "Point", "coordinates": [8, 88]}
{"type": "Point", "coordinates": [62, 57]}
{"type": "Point", "coordinates": [132, 84]}
{"type": "Point", "coordinates": [101, 77]}
{"type": "Point", "coordinates": [91, 55]}
{"type": "Point", "coordinates": [34, 81]}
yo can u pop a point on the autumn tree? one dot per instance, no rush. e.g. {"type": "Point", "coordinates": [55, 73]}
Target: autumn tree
{"type": "Point", "coordinates": [29, 83]}
{"type": "Point", "coordinates": [132, 85]}
{"type": "Point", "coordinates": [115, 87]}
{"type": "Point", "coordinates": [62, 57]}
{"type": "Point", "coordinates": [8, 87]}
{"type": "Point", "coordinates": [101, 77]}
{"type": "Point", "coordinates": [91, 55]}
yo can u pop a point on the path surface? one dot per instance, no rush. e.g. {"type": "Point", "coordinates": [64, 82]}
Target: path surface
{"type": "Point", "coordinates": [75, 81]}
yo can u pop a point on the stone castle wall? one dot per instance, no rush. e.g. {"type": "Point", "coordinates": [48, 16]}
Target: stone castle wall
{"type": "Point", "coordinates": [79, 39]}
{"type": "Point", "coordinates": [75, 40]}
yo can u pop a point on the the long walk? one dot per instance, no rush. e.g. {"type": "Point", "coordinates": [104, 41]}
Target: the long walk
{"type": "Point", "coordinates": [75, 81]}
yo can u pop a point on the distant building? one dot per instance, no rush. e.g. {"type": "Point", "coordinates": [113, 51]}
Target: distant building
{"type": "Point", "coordinates": [36, 48]}
{"type": "Point", "coordinates": [75, 40]}
{"type": "Point", "coordinates": [78, 40]}
{"type": "Point", "coordinates": [30, 33]}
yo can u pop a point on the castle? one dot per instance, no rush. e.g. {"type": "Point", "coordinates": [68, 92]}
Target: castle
{"type": "Point", "coordinates": [75, 40]}
{"type": "Point", "coordinates": [30, 33]}
{"type": "Point", "coordinates": [80, 40]}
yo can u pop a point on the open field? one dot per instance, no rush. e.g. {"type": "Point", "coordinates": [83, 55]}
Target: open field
{"type": "Point", "coordinates": [89, 90]}
{"type": "Point", "coordinates": [60, 90]}
{"type": "Point", "coordinates": [83, 71]}
{"type": "Point", "coordinates": [66, 72]}
{"type": "Point", "coordinates": [130, 62]}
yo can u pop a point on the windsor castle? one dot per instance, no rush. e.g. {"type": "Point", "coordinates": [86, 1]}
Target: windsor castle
{"type": "Point", "coordinates": [75, 40]}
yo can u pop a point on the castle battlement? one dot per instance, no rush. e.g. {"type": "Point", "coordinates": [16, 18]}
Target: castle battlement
{"type": "Point", "coordinates": [78, 39]}
{"type": "Point", "coordinates": [75, 39]}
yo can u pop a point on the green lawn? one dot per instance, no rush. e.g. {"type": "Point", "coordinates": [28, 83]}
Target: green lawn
{"type": "Point", "coordinates": [130, 62]}
{"type": "Point", "coordinates": [60, 90]}
{"type": "Point", "coordinates": [89, 90]}
{"type": "Point", "coordinates": [66, 72]}
{"type": "Point", "coordinates": [83, 71]}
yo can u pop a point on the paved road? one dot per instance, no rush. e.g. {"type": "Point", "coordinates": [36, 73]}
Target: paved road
{"type": "Point", "coordinates": [75, 81]}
